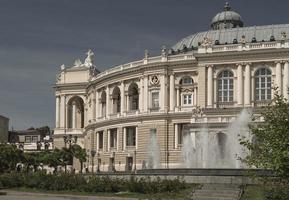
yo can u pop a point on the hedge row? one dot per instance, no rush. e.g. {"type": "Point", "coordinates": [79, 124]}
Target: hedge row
{"type": "Point", "coordinates": [93, 184]}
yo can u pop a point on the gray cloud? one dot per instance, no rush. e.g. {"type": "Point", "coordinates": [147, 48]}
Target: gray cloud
{"type": "Point", "coordinates": [37, 36]}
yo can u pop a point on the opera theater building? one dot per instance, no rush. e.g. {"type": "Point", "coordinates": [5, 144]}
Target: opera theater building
{"type": "Point", "coordinates": [183, 108]}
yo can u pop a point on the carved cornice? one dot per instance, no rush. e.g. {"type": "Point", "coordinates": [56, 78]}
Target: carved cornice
{"type": "Point", "coordinates": [242, 56]}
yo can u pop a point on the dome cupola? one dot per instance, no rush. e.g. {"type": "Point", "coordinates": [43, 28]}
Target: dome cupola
{"type": "Point", "coordinates": [226, 19]}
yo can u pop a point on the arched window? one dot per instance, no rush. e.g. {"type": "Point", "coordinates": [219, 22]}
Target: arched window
{"type": "Point", "coordinates": [187, 80]}
{"type": "Point", "coordinates": [225, 86]}
{"type": "Point", "coordinates": [133, 97]}
{"type": "Point", "coordinates": [116, 100]}
{"type": "Point", "coordinates": [75, 118]}
{"type": "Point", "coordinates": [263, 82]}
{"type": "Point", "coordinates": [103, 103]}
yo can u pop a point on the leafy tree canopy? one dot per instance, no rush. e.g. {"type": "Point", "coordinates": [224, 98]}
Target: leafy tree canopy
{"type": "Point", "coordinates": [270, 139]}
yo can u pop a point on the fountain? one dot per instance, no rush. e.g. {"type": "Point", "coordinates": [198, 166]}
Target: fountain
{"type": "Point", "coordinates": [153, 151]}
{"type": "Point", "coordinates": [216, 150]}
{"type": "Point", "coordinates": [188, 150]}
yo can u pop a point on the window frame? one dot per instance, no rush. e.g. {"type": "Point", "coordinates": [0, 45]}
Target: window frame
{"type": "Point", "coordinates": [113, 138]}
{"type": "Point", "coordinates": [100, 140]}
{"type": "Point", "coordinates": [130, 139]}
{"type": "Point", "coordinates": [263, 93]}
{"type": "Point", "coordinates": [225, 86]}
{"type": "Point", "coordinates": [186, 98]}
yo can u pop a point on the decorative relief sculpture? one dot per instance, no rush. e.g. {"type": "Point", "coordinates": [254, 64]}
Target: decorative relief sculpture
{"type": "Point", "coordinates": [206, 42]}
{"type": "Point", "coordinates": [155, 80]}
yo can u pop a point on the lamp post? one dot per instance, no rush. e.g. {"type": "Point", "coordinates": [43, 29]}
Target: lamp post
{"type": "Point", "coordinates": [92, 153]}
{"type": "Point", "coordinates": [70, 140]}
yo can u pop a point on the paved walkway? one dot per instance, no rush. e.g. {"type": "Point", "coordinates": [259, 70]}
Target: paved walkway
{"type": "Point", "coordinates": [13, 195]}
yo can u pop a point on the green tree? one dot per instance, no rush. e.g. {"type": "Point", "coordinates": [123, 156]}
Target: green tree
{"type": "Point", "coordinates": [10, 156]}
{"type": "Point", "coordinates": [270, 140]}
{"type": "Point", "coordinates": [32, 159]}
{"type": "Point", "coordinates": [80, 154]}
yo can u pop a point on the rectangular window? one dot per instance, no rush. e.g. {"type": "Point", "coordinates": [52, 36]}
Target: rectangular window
{"type": "Point", "coordinates": [181, 130]}
{"type": "Point", "coordinates": [100, 140]}
{"type": "Point", "coordinates": [187, 99]}
{"type": "Point", "coordinates": [34, 138]}
{"type": "Point", "coordinates": [113, 138]}
{"type": "Point", "coordinates": [155, 99]}
{"type": "Point", "coordinates": [27, 138]}
{"type": "Point", "coordinates": [130, 136]}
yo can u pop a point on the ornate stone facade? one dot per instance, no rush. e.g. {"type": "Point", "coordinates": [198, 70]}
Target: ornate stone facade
{"type": "Point", "coordinates": [113, 112]}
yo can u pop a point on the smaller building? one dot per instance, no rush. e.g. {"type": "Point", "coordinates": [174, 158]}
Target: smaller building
{"type": "Point", "coordinates": [4, 126]}
{"type": "Point", "coordinates": [31, 139]}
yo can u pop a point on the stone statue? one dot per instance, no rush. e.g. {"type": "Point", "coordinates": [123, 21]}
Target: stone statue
{"type": "Point", "coordinates": [206, 42]}
{"type": "Point", "coordinates": [243, 39]}
{"type": "Point", "coordinates": [146, 54]}
{"type": "Point", "coordinates": [283, 35]}
{"type": "Point", "coordinates": [77, 63]}
{"type": "Point", "coordinates": [89, 59]}
{"type": "Point", "coordinates": [62, 67]}
{"type": "Point", "coordinates": [164, 51]}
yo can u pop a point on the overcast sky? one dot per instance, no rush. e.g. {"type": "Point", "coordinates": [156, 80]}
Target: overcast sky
{"type": "Point", "coordinates": [37, 36]}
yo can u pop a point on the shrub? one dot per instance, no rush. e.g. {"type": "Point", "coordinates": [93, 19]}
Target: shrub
{"type": "Point", "coordinates": [92, 184]}
{"type": "Point", "coordinates": [12, 180]}
{"type": "Point", "coordinates": [277, 193]}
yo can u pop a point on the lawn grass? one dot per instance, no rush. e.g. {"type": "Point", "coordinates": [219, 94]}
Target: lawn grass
{"type": "Point", "coordinates": [253, 192]}
{"type": "Point", "coordinates": [182, 195]}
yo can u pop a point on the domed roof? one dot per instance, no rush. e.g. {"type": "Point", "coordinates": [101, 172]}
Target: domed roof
{"type": "Point", "coordinates": [227, 36]}
{"type": "Point", "coordinates": [226, 19]}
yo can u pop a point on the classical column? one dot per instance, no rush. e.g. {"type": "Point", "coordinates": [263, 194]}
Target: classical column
{"type": "Point", "coordinates": [73, 115]}
{"type": "Point", "coordinates": [96, 105]}
{"type": "Point", "coordinates": [136, 137]}
{"type": "Point", "coordinates": [279, 77]}
{"type": "Point", "coordinates": [286, 79]}
{"type": "Point", "coordinates": [127, 102]}
{"type": "Point", "coordinates": [122, 98]}
{"type": "Point", "coordinates": [195, 97]}
{"type": "Point", "coordinates": [93, 106]}
{"type": "Point", "coordinates": [117, 139]}
{"type": "Point", "coordinates": [247, 85]}
{"type": "Point", "coordinates": [240, 84]}
{"type": "Point", "coordinates": [176, 135]}
{"type": "Point", "coordinates": [178, 97]}
{"type": "Point", "coordinates": [162, 92]}
{"type": "Point", "coordinates": [62, 111]}
{"type": "Point", "coordinates": [210, 86]}
{"type": "Point", "coordinates": [172, 92]}
{"type": "Point", "coordinates": [124, 138]}
{"type": "Point", "coordinates": [145, 99]}
{"type": "Point", "coordinates": [107, 102]}
{"type": "Point", "coordinates": [108, 139]}
{"type": "Point", "coordinates": [97, 141]}
{"type": "Point", "coordinates": [57, 112]}
{"type": "Point", "coordinates": [141, 96]}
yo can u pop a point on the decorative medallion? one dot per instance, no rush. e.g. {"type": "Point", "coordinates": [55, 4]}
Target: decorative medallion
{"type": "Point", "coordinates": [155, 80]}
